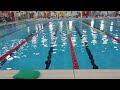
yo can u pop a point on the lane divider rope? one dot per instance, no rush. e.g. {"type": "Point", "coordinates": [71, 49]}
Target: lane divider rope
{"type": "Point", "coordinates": [74, 59]}
{"type": "Point", "coordinates": [48, 61]}
{"type": "Point", "coordinates": [87, 50]}
{"type": "Point", "coordinates": [103, 32]}
{"type": "Point", "coordinates": [19, 45]}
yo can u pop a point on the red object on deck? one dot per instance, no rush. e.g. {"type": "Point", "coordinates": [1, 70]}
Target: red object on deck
{"type": "Point", "coordinates": [85, 13]}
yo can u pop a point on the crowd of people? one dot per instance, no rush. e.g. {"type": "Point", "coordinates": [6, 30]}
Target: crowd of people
{"type": "Point", "coordinates": [49, 14]}
{"type": "Point", "coordinates": [6, 18]}
{"type": "Point", "coordinates": [106, 13]}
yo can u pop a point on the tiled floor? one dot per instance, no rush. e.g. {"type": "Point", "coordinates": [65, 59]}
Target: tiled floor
{"type": "Point", "coordinates": [68, 74]}
{"type": "Point", "coordinates": [56, 74]}
{"type": "Point", "coordinates": [97, 74]}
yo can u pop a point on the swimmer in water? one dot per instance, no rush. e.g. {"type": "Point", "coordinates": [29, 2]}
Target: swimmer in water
{"type": "Point", "coordinates": [53, 41]}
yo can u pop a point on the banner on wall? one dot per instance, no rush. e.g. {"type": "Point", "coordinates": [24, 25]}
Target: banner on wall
{"type": "Point", "coordinates": [85, 13]}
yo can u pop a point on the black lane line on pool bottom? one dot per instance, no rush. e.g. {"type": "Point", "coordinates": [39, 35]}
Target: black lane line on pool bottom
{"type": "Point", "coordinates": [88, 50]}
{"type": "Point", "coordinates": [2, 63]}
{"type": "Point", "coordinates": [4, 60]}
{"type": "Point", "coordinates": [48, 61]}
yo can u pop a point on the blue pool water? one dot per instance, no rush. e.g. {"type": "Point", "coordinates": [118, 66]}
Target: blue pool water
{"type": "Point", "coordinates": [34, 53]}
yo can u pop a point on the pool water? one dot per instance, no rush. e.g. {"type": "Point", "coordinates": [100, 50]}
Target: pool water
{"type": "Point", "coordinates": [33, 54]}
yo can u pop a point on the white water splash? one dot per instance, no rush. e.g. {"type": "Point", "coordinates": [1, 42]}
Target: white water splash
{"type": "Point", "coordinates": [16, 57]}
{"type": "Point", "coordinates": [8, 68]}
{"type": "Point", "coordinates": [9, 58]}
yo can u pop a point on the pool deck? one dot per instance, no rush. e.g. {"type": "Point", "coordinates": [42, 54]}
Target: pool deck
{"type": "Point", "coordinates": [68, 74]}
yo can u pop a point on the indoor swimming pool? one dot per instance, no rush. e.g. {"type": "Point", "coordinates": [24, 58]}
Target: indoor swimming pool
{"type": "Point", "coordinates": [69, 44]}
